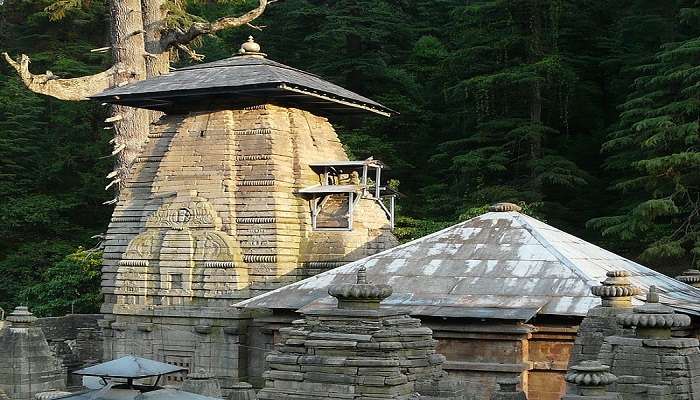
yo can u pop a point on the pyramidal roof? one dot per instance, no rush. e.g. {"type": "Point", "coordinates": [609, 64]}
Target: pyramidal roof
{"type": "Point", "coordinates": [242, 80]}
{"type": "Point", "coordinates": [503, 265]}
{"type": "Point", "coordinates": [129, 367]}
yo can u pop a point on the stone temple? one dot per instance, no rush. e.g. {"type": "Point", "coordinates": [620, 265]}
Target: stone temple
{"type": "Point", "coordinates": [241, 248]}
{"type": "Point", "coordinates": [242, 187]}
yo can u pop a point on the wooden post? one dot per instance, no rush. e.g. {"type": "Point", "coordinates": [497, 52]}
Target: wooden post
{"type": "Point", "coordinates": [351, 208]}
{"type": "Point", "coordinates": [392, 206]}
{"type": "Point", "coordinates": [377, 183]}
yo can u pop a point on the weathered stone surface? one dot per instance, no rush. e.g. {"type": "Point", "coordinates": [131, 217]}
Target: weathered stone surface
{"type": "Point", "coordinates": [653, 365]}
{"type": "Point", "coordinates": [211, 215]}
{"type": "Point", "coordinates": [27, 366]}
{"type": "Point", "coordinates": [340, 361]}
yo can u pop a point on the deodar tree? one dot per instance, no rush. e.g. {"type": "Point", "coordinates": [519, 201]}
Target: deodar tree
{"type": "Point", "coordinates": [145, 34]}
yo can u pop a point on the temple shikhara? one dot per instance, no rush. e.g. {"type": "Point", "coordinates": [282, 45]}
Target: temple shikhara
{"type": "Point", "coordinates": [242, 187]}
{"type": "Point", "coordinates": [248, 257]}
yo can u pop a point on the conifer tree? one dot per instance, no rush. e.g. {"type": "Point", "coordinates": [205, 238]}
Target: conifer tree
{"type": "Point", "coordinates": [512, 92]}
{"type": "Point", "coordinates": [655, 152]}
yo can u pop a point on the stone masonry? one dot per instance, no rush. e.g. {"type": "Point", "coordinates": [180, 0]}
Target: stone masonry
{"type": "Point", "coordinates": [653, 364]}
{"type": "Point", "coordinates": [27, 366]}
{"type": "Point", "coordinates": [210, 216]}
{"type": "Point", "coordinates": [357, 351]}
{"type": "Point", "coordinates": [616, 293]}
{"type": "Point", "coordinates": [591, 380]}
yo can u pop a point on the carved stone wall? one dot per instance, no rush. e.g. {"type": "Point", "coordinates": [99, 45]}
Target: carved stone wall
{"type": "Point", "coordinates": [210, 216]}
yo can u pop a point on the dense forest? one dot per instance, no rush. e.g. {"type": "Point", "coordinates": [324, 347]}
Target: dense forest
{"type": "Point", "coordinates": [584, 111]}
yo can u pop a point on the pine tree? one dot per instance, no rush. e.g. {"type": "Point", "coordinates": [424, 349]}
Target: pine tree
{"type": "Point", "coordinates": [655, 152]}
{"type": "Point", "coordinates": [511, 97]}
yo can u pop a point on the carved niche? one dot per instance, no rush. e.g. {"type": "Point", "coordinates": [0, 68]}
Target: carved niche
{"type": "Point", "coordinates": [184, 240]}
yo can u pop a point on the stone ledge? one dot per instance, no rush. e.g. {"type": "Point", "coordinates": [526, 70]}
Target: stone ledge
{"type": "Point", "coordinates": [490, 367]}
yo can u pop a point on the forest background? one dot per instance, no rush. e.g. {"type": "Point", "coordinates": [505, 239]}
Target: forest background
{"type": "Point", "coordinates": [584, 111]}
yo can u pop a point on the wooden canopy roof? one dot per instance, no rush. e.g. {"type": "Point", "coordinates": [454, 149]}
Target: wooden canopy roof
{"type": "Point", "coordinates": [241, 80]}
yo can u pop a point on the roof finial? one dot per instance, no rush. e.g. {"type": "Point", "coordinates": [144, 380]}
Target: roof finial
{"type": "Point", "coordinates": [652, 295]}
{"type": "Point", "coordinates": [361, 295]}
{"type": "Point", "coordinates": [362, 275]}
{"type": "Point", "coordinates": [250, 48]}
{"type": "Point", "coordinates": [505, 207]}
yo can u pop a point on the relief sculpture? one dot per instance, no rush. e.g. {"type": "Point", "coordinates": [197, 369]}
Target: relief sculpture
{"type": "Point", "coordinates": [208, 260]}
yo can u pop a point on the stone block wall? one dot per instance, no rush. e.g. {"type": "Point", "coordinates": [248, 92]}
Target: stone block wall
{"type": "Point", "coordinates": [210, 216]}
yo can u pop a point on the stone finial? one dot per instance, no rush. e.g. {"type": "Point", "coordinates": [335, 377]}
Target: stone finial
{"type": "Point", "coordinates": [653, 319]}
{"type": "Point", "coordinates": [616, 290]}
{"type": "Point", "coordinates": [690, 277]}
{"type": "Point", "coordinates": [21, 316]}
{"type": "Point", "coordinates": [590, 377]}
{"type": "Point", "coordinates": [202, 383]}
{"type": "Point", "coordinates": [250, 48]}
{"type": "Point", "coordinates": [508, 390]}
{"type": "Point", "coordinates": [505, 207]}
{"type": "Point", "coordinates": [361, 295]}
{"type": "Point", "coordinates": [242, 391]}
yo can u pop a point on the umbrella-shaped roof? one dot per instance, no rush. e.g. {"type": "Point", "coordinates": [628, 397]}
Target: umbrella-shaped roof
{"type": "Point", "coordinates": [130, 367]}
{"type": "Point", "coordinates": [122, 393]}
{"type": "Point", "coordinates": [503, 265]}
{"type": "Point", "coordinates": [245, 79]}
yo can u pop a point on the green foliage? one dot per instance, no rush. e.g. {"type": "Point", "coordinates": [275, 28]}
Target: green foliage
{"type": "Point", "coordinates": [51, 152]}
{"type": "Point", "coordinates": [654, 152]}
{"type": "Point", "coordinates": [408, 229]}
{"type": "Point", "coordinates": [71, 285]}
{"type": "Point", "coordinates": [498, 100]}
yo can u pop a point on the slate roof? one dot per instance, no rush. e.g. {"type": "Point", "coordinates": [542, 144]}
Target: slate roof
{"type": "Point", "coordinates": [129, 367]}
{"type": "Point", "coordinates": [242, 79]}
{"type": "Point", "coordinates": [503, 265]}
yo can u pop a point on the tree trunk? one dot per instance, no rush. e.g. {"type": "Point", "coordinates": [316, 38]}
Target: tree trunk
{"type": "Point", "coordinates": [157, 58]}
{"type": "Point", "coordinates": [141, 49]}
{"type": "Point", "coordinates": [130, 124]}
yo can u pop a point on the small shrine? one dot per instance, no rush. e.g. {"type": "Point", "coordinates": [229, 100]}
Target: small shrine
{"type": "Point", "coordinates": [242, 187]}
{"type": "Point", "coordinates": [507, 297]}
{"type": "Point", "coordinates": [616, 293]}
{"type": "Point", "coordinates": [653, 364]}
{"type": "Point", "coordinates": [357, 351]}
{"type": "Point", "coordinates": [27, 366]}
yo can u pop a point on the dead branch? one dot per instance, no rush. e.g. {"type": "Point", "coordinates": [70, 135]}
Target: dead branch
{"type": "Point", "coordinates": [191, 53]}
{"type": "Point", "coordinates": [177, 37]}
{"type": "Point", "coordinates": [65, 89]}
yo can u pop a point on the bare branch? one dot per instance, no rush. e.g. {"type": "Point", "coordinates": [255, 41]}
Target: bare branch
{"type": "Point", "coordinates": [191, 53]}
{"type": "Point", "coordinates": [178, 37]}
{"type": "Point", "coordinates": [64, 89]}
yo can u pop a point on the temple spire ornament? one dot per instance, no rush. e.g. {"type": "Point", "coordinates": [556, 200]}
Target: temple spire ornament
{"type": "Point", "coordinates": [250, 48]}
{"type": "Point", "coordinates": [616, 290]}
{"type": "Point", "coordinates": [591, 380]}
{"type": "Point", "coordinates": [361, 295]}
{"type": "Point", "coordinates": [653, 319]}
{"type": "Point", "coordinates": [690, 277]}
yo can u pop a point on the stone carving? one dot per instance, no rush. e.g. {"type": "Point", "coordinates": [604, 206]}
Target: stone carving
{"type": "Point", "coordinates": [143, 246]}
{"type": "Point", "coordinates": [654, 319]}
{"type": "Point", "coordinates": [182, 235]}
{"type": "Point", "coordinates": [361, 294]}
{"type": "Point", "coordinates": [591, 379]}
{"type": "Point", "coordinates": [616, 290]}
{"type": "Point", "coordinates": [197, 213]}
{"type": "Point", "coordinates": [653, 365]}
{"type": "Point", "coordinates": [357, 351]}
{"type": "Point", "coordinates": [690, 277]}
{"type": "Point", "coordinates": [508, 390]}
